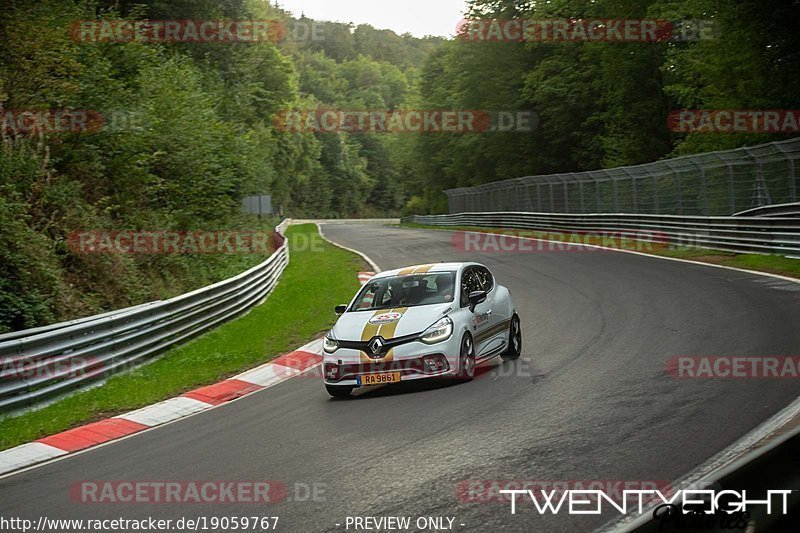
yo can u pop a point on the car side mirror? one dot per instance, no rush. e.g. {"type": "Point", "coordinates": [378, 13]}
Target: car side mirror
{"type": "Point", "coordinates": [475, 298]}
{"type": "Point", "coordinates": [340, 309]}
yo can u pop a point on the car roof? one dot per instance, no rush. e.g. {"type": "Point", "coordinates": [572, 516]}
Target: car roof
{"type": "Point", "coordinates": [421, 269]}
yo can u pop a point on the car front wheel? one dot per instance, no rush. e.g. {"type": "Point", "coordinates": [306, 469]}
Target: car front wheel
{"type": "Point", "coordinates": [466, 363]}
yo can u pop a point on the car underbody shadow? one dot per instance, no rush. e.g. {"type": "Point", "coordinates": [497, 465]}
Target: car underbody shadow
{"type": "Point", "coordinates": [484, 371]}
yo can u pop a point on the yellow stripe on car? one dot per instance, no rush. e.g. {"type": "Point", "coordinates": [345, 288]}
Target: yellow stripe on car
{"type": "Point", "coordinates": [419, 269]}
{"type": "Point", "coordinates": [387, 331]}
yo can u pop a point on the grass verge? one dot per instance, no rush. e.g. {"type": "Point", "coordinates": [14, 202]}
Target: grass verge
{"type": "Point", "coordinates": [774, 264]}
{"type": "Point", "coordinates": [319, 276]}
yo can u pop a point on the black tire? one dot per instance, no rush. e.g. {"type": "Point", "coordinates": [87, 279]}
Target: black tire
{"type": "Point", "coordinates": [339, 391]}
{"type": "Point", "coordinates": [466, 359]}
{"type": "Point", "coordinates": [514, 349]}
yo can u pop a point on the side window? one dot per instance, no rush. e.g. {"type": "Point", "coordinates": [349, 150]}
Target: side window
{"type": "Point", "coordinates": [469, 283]}
{"type": "Point", "coordinates": [368, 297]}
{"type": "Point", "coordinates": [374, 295]}
{"type": "Point", "coordinates": [464, 291]}
{"type": "Point", "coordinates": [487, 281]}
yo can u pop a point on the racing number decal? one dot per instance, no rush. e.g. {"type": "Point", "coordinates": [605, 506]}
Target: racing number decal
{"type": "Point", "coordinates": [386, 331]}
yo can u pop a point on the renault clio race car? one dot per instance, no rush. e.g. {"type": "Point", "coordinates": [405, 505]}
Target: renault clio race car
{"type": "Point", "coordinates": [420, 322]}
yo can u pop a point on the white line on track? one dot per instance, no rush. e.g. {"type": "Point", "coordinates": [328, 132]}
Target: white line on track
{"type": "Point", "coordinates": [756, 442]}
{"type": "Point", "coordinates": [364, 256]}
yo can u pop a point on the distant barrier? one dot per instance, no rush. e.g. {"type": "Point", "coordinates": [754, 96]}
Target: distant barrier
{"type": "Point", "coordinates": [767, 235]}
{"type": "Point", "coordinates": [39, 363]}
{"type": "Point", "coordinates": [710, 184]}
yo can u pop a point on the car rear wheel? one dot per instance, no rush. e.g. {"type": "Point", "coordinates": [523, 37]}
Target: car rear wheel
{"type": "Point", "coordinates": [514, 349]}
{"type": "Point", "coordinates": [466, 362]}
{"type": "Point", "coordinates": [339, 391]}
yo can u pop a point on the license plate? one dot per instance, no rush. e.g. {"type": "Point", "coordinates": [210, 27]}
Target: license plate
{"type": "Point", "coordinates": [378, 379]}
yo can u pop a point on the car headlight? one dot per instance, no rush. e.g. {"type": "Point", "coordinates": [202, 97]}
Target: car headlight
{"type": "Point", "coordinates": [440, 331]}
{"type": "Point", "coordinates": [330, 344]}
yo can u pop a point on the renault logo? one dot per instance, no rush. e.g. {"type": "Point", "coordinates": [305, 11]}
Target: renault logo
{"type": "Point", "coordinates": [376, 345]}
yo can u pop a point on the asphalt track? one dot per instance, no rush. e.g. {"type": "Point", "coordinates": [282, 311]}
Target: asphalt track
{"type": "Point", "coordinates": [589, 400]}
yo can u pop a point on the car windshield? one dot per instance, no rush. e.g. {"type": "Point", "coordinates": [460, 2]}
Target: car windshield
{"type": "Point", "coordinates": [406, 291]}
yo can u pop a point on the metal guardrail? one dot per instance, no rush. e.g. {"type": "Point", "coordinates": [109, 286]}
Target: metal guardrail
{"type": "Point", "coordinates": [779, 210]}
{"type": "Point", "coordinates": [342, 221]}
{"type": "Point", "coordinates": [768, 235]}
{"type": "Point", "coordinates": [708, 184]}
{"type": "Point", "coordinates": [770, 466]}
{"type": "Point", "coordinates": [43, 362]}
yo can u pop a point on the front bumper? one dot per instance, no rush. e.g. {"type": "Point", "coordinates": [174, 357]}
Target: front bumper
{"type": "Point", "coordinates": [413, 361]}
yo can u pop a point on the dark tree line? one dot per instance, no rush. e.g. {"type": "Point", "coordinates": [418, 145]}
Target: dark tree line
{"type": "Point", "coordinates": [194, 129]}
{"type": "Point", "coordinates": [603, 104]}
{"type": "Point", "coordinates": [188, 133]}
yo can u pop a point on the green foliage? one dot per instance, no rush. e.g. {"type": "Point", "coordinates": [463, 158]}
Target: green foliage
{"type": "Point", "coordinates": [190, 127]}
{"type": "Point", "coordinates": [177, 153]}
{"type": "Point", "coordinates": [602, 104]}
{"type": "Point", "coordinates": [277, 326]}
{"type": "Point", "coordinates": [188, 133]}
{"type": "Point", "coordinates": [354, 68]}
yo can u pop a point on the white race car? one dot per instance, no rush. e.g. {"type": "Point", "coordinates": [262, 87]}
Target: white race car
{"type": "Point", "coordinates": [421, 322]}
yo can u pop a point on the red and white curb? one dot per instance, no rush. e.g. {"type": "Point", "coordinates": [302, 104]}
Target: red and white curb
{"type": "Point", "coordinates": [364, 277]}
{"type": "Point", "coordinates": [78, 439]}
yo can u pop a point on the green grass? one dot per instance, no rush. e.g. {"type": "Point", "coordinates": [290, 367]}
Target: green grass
{"type": "Point", "coordinates": [319, 277]}
{"type": "Point", "coordinates": [775, 264]}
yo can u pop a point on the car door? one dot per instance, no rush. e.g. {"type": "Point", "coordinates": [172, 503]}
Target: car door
{"type": "Point", "coordinates": [497, 330]}
{"type": "Point", "coordinates": [480, 319]}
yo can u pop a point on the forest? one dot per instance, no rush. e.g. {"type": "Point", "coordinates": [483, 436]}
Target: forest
{"type": "Point", "coordinates": [188, 129]}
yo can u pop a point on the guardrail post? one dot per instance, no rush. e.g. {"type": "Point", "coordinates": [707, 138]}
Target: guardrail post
{"type": "Point", "coordinates": [703, 189]}
{"type": "Point", "coordinates": [634, 190]}
{"type": "Point", "coordinates": [678, 191]}
{"type": "Point", "coordinates": [656, 206]}
{"type": "Point", "coordinates": [538, 197]}
{"type": "Point", "coordinates": [731, 195]}
{"type": "Point", "coordinates": [596, 194]}
{"type": "Point", "coordinates": [566, 192]}
{"type": "Point", "coordinates": [763, 190]}
{"type": "Point", "coordinates": [528, 203]}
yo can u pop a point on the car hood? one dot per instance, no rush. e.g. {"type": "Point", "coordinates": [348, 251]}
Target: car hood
{"type": "Point", "coordinates": [388, 323]}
